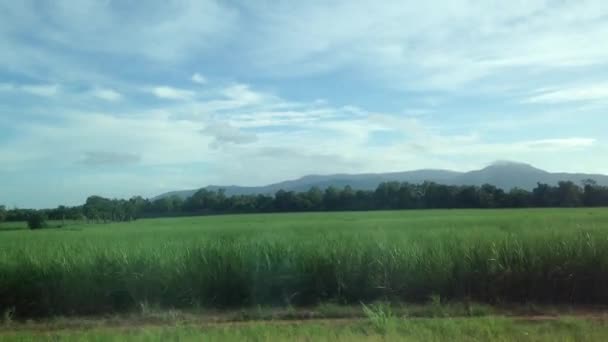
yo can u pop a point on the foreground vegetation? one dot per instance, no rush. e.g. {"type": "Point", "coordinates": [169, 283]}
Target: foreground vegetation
{"type": "Point", "coordinates": [491, 256]}
{"type": "Point", "coordinates": [443, 329]}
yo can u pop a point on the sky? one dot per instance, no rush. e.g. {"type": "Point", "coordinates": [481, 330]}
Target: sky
{"type": "Point", "coordinates": [122, 98]}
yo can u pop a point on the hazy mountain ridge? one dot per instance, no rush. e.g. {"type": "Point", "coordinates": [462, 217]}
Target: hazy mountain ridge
{"type": "Point", "coordinates": [505, 175]}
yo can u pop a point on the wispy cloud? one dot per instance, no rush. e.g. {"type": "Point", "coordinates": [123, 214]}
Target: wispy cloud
{"type": "Point", "coordinates": [107, 94]}
{"type": "Point", "coordinates": [187, 93]}
{"type": "Point", "coordinates": [297, 137]}
{"type": "Point", "coordinates": [242, 94]}
{"type": "Point", "coordinates": [44, 90]}
{"type": "Point", "coordinates": [95, 26]}
{"type": "Point", "coordinates": [41, 90]}
{"type": "Point", "coordinates": [170, 93]}
{"type": "Point", "coordinates": [559, 144]}
{"type": "Point", "coordinates": [198, 78]}
{"type": "Point", "coordinates": [593, 92]}
{"type": "Point", "coordinates": [224, 133]}
{"type": "Point", "coordinates": [419, 46]}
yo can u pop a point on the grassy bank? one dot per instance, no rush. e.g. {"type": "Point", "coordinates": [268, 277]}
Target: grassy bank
{"type": "Point", "coordinates": [518, 256]}
{"type": "Point", "coordinates": [453, 329]}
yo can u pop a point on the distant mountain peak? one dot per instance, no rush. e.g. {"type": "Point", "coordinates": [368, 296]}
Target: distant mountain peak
{"type": "Point", "coordinates": [510, 163]}
{"type": "Point", "coordinates": [510, 166]}
{"type": "Point", "coordinates": [504, 174]}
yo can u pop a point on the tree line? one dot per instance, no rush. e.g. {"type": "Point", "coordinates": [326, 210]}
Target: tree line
{"type": "Point", "coordinates": [388, 195]}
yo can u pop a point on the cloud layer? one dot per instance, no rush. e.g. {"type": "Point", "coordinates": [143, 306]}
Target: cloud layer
{"type": "Point", "coordinates": [115, 98]}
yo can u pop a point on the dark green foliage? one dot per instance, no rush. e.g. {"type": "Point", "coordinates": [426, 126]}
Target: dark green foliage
{"type": "Point", "coordinates": [36, 220]}
{"type": "Point", "coordinates": [60, 213]}
{"type": "Point", "coordinates": [387, 196]}
{"type": "Point", "coordinates": [238, 273]}
{"type": "Point", "coordinates": [2, 213]}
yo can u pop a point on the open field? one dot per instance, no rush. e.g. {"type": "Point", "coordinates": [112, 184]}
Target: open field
{"type": "Point", "coordinates": [487, 256]}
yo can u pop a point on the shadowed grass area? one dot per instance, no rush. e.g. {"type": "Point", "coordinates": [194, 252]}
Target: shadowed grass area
{"type": "Point", "coordinates": [490, 256]}
{"type": "Point", "coordinates": [439, 329]}
{"type": "Point", "coordinates": [18, 226]}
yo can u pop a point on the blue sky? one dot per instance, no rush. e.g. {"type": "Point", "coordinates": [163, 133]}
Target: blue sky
{"type": "Point", "coordinates": [119, 98]}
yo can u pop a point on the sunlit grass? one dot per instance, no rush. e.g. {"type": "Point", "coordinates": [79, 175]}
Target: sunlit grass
{"type": "Point", "coordinates": [553, 256]}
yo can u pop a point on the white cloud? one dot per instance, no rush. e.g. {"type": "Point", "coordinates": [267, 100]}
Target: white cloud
{"type": "Point", "coordinates": [103, 136]}
{"type": "Point", "coordinates": [243, 133]}
{"type": "Point", "coordinates": [241, 93]}
{"type": "Point", "coordinates": [591, 92]}
{"type": "Point", "coordinates": [198, 78]}
{"type": "Point", "coordinates": [245, 122]}
{"type": "Point", "coordinates": [532, 151]}
{"type": "Point", "coordinates": [397, 45]}
{"type": "Point", "coordinates": [158, 31]}
{"type": "Point", "coordinates": [71, 42]}
{"type": "Point", "coordinates": [558, 144]}
{"type": "Point", "coordinates": [433, 44]}
{"type": "Point", "coordinates": [224, 133]}
{"type": "Point", "coordinates": [170, 93]}
{"type": "Point", "coordinates": [107, 94]}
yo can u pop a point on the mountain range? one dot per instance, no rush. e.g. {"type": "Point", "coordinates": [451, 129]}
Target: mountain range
{"type": "Point", "coordinates": [506, 175]}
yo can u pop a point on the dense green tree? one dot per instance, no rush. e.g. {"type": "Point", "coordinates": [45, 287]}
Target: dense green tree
{"type": "Point", "coordinates": [286, 201]}
{"type": "Point", "coordinates": [347, 199]}
{"type": "Point", "coordinates": [331, 198]}
{"type": "Point", "coordinates": [594, 195]}
{"type": "Point", "coordinates": [438, 195]}
{"type": "Point", "coordinates": [467, 197]}
{"type": "Point", "coordinates": [17, 214]}
{"type": "Point", "coordinates": [518, 198]}
{"type": "Point", "coordinates": [569, 194]}
{"type": "Point", "coordinates": [36, 220]}
{"type": "Point", "coordinates": [205, 200]}
{"type": "Point", "coordinates": [241, 204]}
{"type": "Point", "coordinates": [387, 195]}
{"type": "Point", "coordinates": [264, 203]}
{"type": "Point", "coordinates": [364, 200]}
{"type": "Point", "coordinates": [314, 198]}
{"type": "Point", "coordinates": [163, 205]}
{"type": "Point", "coordinates": [544, 195]}
{"type": "Point", "coordinates": [137, 206]}
{"type": "Point", "coordinates": [62, 212]}
{"type": "Point", "coordinates": [100, 209]}
{"type": "Point", "coordinates": [407, 196]}
{"type": "Point", "coordinates": [2, 213]}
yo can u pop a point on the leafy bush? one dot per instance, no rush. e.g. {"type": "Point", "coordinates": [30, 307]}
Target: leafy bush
{"type": "Point", "coordinates": [381, 317]}
{"type": "Point", "coordinates": [36, 220]}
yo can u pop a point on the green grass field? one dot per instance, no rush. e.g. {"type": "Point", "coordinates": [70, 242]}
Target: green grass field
{"type": "Point", "coordinates": [490, 256]}
{"type": "Point", "coordinates": [458, 329]}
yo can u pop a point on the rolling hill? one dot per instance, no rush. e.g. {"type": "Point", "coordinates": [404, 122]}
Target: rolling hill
{"type": "Point", "coordinates": [505, 175]}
